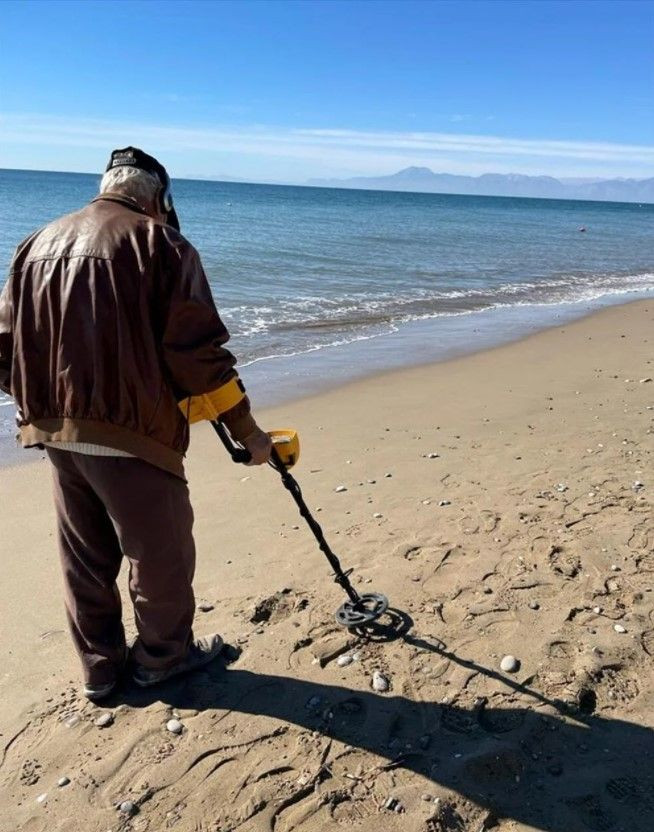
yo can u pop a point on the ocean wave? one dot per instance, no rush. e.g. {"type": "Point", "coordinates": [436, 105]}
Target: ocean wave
{"type": "Point", "coordinates": [359, 309]}
{"type": "Point", "coordinates": [371, 320]}
{"type": "Point", "coordinates": [316, 347]}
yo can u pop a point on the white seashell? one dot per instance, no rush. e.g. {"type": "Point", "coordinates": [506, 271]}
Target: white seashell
{"type": "Point", "coordinates": [174, 726]}
{"type": "Point", "coordinates": [379, 682]}
{"type": "Point", "coordinates": [509, 664]}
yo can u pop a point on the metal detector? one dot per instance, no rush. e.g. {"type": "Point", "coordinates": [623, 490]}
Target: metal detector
{"type": "Point", "coordinates": [359, 610]}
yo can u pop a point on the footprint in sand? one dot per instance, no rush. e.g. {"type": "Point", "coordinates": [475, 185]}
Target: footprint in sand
{"type": "Point", "coordinates": [502, 769]}
{"type": "Point", "coordinates": [30, 772]}
{"type": "Point", "coordinates": [563, 562]}
{"type": "Point", "coordinates": [590, 811]}
{"type": "Point", "coordinates": [645, 564]}
{"type": "Point", "coordinates": [647, 641]}
{"type": "Point", "coordinates": [615, 687]}
{"type": "Point", "coordinates": [485, 521]}
{"type": "Point", "coordinates": [458, 721]}
{"type": "Point", "coordinates": [500, 721]}
{"type": "Point", "coordinates": [642, 537]}
{"type": "Point", "coordinates": [274, 608]}
{"type": "Point", "coordinates": [560, 650]}
{"type": "Point", "coordinates": [636, 794]}
{"type": "Point", "coordinates": [412, 552]}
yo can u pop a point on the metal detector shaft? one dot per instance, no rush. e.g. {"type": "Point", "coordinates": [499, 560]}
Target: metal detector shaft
{"type": "Point", "coordinates": [291, 484]}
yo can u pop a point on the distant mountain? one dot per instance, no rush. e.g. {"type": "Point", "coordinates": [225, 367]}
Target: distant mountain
{"type": "Point", "coordinates": [424, 180]}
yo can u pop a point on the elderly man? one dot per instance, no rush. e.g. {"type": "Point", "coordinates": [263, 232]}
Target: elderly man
{"type": "Point", "coordinates": [106, 323]}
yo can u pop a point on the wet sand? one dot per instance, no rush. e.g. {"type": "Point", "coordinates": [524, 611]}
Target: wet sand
{"type": "Point", "coordinates": [514, 488]}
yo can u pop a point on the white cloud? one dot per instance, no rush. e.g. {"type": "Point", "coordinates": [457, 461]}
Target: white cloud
{"type": "Point", "coordinates": [295, 153]}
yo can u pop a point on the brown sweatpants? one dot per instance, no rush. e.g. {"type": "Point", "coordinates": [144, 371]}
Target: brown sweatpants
{"type": "Point", "coordinates": [107, 508]}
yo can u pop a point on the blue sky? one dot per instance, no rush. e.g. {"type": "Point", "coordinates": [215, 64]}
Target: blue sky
{"type": "Point", "coordinates": [283, 91]}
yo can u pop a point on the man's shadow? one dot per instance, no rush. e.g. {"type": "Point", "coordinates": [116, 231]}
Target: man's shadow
{"type": "Point", "coordinates": [545, 764]}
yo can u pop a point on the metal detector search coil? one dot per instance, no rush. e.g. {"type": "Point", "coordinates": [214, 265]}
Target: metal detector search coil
{"type": "Point", "coordinates": [369, 607]}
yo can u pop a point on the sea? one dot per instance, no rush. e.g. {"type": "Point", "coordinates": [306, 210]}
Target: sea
{"type": "Point", "coordinates": [319, 286]}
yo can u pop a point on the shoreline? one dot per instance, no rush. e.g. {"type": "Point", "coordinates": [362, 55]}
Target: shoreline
{"type": "Point", "coordinates": [415, 344]}
{"type": "Point", "coordinates": [330, 369]}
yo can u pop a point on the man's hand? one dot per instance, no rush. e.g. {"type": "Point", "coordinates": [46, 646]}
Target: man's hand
{"type": "Point", "coordinates": [259, 444]}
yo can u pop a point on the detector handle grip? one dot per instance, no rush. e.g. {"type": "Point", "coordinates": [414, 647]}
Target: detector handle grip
{"type": "Point", "coordinates": [238, 454]}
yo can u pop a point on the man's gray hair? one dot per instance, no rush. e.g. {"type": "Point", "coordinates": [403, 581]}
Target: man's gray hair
{"type": "Point", "coordinates": [130, 181]}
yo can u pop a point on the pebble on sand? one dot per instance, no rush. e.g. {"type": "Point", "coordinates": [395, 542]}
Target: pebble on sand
{"type": "Point", "coordinates": [63, 781]}
{"type": "Point", "coordinates": [534, 605]}
{"type": "Point", "coordinates": [104, 720]}
{"type": "Point", "coordinates": [619, 628]}
{"type": "Point", "coordinates": [127, 808]}
{"type": "Point", "coordinates": [174, 726]}
{"type": "Point", "coordinates": [444, 503]}
{"type": "Point", "coordinates": [377, 515]}
{"type": "Point", "coordinates": [343, 661]}
{"type": "Point", "coordinates": [340, 488]}
{"type": "Point", "coordinates": [379, 682]}
{"type": "Point", "coordinates": [432, 456]}
{"type": "Point", "coordinates": [509, 664]}
{"type": "Point", "coordinates": [42, 797]}
{"type": "Point", "coordinates": [205, 606]}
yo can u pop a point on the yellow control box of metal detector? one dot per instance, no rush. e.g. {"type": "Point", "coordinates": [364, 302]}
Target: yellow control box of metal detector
{"type": "Point", "coordinates": [287, 445]}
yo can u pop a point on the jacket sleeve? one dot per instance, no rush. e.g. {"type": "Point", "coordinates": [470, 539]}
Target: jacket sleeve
{"type": "Point", "coordinates": [6, 338]}
{"type": "Point", "coordinates": [194, 336]}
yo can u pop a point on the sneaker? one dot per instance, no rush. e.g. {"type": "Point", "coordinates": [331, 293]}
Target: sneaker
{"type": "Point", "coordinates": [201, 652]}
{"type": "Point", "coordinates": [96, 692]}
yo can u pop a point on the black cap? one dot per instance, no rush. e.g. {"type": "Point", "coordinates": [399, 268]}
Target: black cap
{"type": "Point", "coordinates": [136, 158]}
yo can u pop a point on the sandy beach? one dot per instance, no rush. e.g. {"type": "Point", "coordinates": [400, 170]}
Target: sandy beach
{"type": "Point", "coordinates": [503, 502]}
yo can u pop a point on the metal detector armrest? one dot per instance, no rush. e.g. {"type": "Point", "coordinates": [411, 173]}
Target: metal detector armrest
{"type": "Point", "coordinates": [210, 406]}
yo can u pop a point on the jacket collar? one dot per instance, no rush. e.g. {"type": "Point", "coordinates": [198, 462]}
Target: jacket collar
{"type": "Point", "coordinates": [127, 201]}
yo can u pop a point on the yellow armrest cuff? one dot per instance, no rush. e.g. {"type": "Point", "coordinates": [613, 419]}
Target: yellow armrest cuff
{"type": "Point", "coordinates": [211, 406]}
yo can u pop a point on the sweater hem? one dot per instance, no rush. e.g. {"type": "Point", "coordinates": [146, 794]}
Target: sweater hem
{"type": "Point", "coordinates": [51, 431]}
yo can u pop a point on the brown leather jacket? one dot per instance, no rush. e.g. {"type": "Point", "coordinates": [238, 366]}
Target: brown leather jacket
{"type": "Point", "coordinates": [106, 322]}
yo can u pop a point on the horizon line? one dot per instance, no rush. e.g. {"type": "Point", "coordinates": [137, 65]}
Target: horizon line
{"type": "Point", "coordinates": [214, 177]}
{"type": "Point", "coordinates": [235, 181]}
